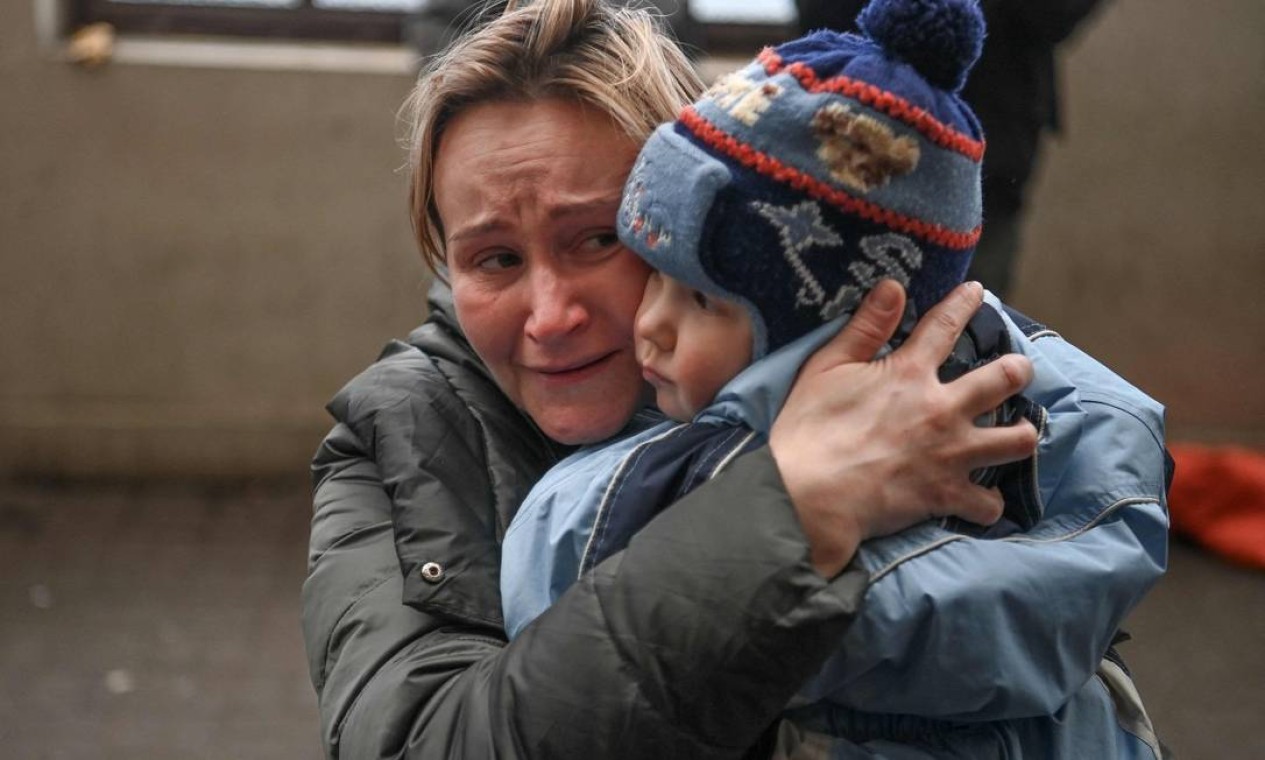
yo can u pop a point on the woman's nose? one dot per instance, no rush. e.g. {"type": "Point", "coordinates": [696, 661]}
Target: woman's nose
{"type": "Point", "coordinates": [558, 309]}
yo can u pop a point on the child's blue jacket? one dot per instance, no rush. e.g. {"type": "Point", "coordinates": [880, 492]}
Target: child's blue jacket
{"type": "Point", "coordinates": [1003, 634]}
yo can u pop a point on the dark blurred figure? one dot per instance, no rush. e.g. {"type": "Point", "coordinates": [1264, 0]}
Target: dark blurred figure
{"type": "Point", "coordinates": [439, 21]}
{"type": "Point", "coordinates": [1014, 92]}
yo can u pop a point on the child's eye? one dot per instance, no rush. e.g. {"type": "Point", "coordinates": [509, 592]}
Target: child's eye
{"type": "Point", "coordinates": [702, 301]}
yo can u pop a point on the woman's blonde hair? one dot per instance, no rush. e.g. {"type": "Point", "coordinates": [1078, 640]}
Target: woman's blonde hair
{"type": "Point", "coordinates": [612, 58]}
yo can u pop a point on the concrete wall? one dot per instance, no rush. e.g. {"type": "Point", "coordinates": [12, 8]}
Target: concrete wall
{"type": "Point", "coordinates": [195, 259]}
{"type": "Point", "coordinates": [1147, 246]}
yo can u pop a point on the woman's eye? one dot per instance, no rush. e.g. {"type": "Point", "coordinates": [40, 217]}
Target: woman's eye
{"type": "Point", "coordinates": [600, 241]}
{"type": "Point", "coordinates": [498, 261]}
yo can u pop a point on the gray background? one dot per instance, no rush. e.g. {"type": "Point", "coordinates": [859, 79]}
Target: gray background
{"type": "Point", "coordinates": [195, 259]}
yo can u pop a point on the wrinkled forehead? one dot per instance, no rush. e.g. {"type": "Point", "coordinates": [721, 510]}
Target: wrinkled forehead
{"type": "Point", "coordinates": [522, 166]}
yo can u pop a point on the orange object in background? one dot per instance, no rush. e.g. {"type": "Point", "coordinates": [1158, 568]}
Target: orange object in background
{"type": "Point", "coordinates": [1218, 499]}
{"type": "Point", "coordinates": [92, 45]}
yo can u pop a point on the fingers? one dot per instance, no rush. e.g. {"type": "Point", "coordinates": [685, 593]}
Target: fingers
{"type": "Point", "coordinates": [982, 506]}
{"type": "Point", "coordinates": [1001, 445]}
{"type": "Point", "coordinates": [986, 387]}
{"type": "Point", "coordinates": [873, 324]}
{"type": "Point", "coordinates": [933, 338]}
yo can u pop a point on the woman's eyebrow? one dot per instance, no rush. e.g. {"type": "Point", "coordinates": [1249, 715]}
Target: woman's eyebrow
{"type": "Point", "coordinates": [478, 229]}
{"type": "Point", "coordinates": [585, 206]}
{"type": "Point", "coordinates": [562, 210]}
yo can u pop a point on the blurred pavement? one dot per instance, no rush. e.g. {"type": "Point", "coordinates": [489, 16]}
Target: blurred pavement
{"type": "Point", "coordinates": [161, 621]}
{"type": "Point", "coordinates": [155, 622]}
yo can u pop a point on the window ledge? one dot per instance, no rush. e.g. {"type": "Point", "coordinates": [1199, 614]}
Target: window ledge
{"type": "Point", "coordinates": [273, 55]}
{"type": "Point", "coordinates": [50, 18]}
{"type": "Point", "coordinates": [265, 55]}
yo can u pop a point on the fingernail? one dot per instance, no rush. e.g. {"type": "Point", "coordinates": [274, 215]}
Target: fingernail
{"type": "Point", "coordinates": [884, 297]}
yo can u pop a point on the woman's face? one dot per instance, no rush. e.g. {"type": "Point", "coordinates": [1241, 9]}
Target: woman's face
{"type": "Point", "coordinates": [527, 194]}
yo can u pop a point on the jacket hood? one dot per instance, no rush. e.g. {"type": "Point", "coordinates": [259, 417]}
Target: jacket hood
{"type": "Point", "coordinates": [442, 309]}
{"type": "Point", "coordinates": [441, 335]}
{"type": "Point", "coordinates": [755, 396]}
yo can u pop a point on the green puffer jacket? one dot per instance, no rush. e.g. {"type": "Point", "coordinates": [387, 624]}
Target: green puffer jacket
{"type": "Point", "coordinates": [687, 644]}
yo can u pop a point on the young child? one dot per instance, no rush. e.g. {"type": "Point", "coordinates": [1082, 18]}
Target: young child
{"type": "Point", "coordinates": [768, 210]}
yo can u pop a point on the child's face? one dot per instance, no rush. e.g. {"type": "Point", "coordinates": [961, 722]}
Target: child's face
{"type": "Point", "coordinates": [689, 344]}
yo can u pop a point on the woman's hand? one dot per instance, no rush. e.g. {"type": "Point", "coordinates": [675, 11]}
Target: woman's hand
{"type": "Point", "coordinates": [869, 447]}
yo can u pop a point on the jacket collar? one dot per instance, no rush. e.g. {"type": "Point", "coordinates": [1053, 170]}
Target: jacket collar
{"type": "Point", "coordinates": [442, 309]}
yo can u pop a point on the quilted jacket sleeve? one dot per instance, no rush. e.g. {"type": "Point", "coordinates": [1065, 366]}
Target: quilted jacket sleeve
{"type": "Point", "coordinates": [687, 644]}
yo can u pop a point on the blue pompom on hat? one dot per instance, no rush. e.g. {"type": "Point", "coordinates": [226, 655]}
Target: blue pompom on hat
{"type": "Point", "coordinates": [826, 164]}
{"type": "Point", "coordinates": [941, 40]}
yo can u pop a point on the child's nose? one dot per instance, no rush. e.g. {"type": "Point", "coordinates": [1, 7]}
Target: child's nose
{"type": "Point", "coordinates": [653, 324]}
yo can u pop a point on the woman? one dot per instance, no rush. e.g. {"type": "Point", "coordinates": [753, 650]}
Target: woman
{"type": "Point", "coordinates": [690, 642]}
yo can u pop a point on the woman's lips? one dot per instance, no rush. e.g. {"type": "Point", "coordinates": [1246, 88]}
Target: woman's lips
{"type": "Point", "coordinates": [575, 373]}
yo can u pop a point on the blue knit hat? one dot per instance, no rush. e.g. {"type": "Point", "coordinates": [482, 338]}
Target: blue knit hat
{"type": "Point", "coordinates": [826, 164]}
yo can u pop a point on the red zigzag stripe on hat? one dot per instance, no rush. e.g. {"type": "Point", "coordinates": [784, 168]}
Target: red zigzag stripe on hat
{"type": "Point", "coordinates": [898, 108]}
{"type": "Point", "coordinates": [776, 170]}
